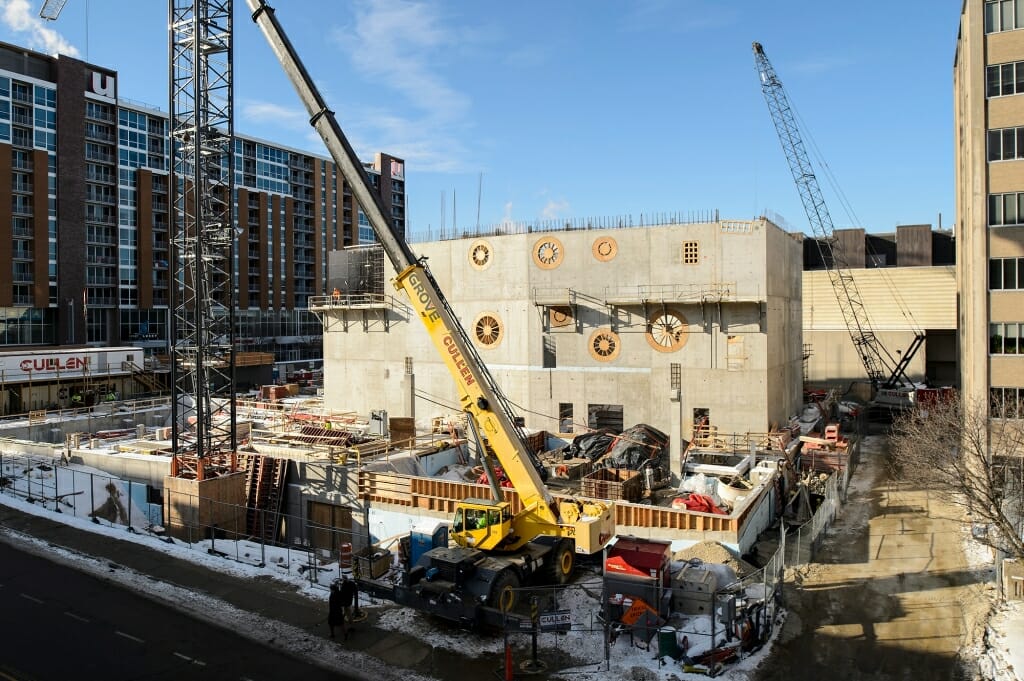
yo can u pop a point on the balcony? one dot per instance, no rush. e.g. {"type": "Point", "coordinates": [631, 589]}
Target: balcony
{"type": "Point", "coordinates": [21, 254]}
{"type": "Point", "coordinates": [22, 187]}
{"type": "Point", "coordinates": [101, 281]}
{"type": "Point", "coordinates": [101, 240]}
{"type": "Point", "coordinates": [99, 156]}
{"type": "Point", "coordinates": [101, 219]}
{"type": "Point", "coordinates": [21, 119]}
{"type": "Point", "coordinates": [99, 135]}
{"type": "Point", "coordinates": [106, 178]}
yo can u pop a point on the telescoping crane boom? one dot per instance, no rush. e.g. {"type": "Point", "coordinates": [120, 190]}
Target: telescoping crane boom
{"type": "Point", "coordinates": [885, 372]}
{"type": "Point", "coordinates": [497, 549]}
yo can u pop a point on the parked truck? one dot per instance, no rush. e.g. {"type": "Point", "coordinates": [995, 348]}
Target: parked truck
{"type": "Point", "coordinates": [495, 549]}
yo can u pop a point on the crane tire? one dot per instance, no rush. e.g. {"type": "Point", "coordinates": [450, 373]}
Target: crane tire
{"type": "Point", "coordinates": [503, 590]}
{"type": "Point", "coordinates": [563, 562]}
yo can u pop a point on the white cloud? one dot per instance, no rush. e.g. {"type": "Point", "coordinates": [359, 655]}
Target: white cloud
{"type": "Point", "coordinates": [393, 45]}
{"type": "Point", "coordinates": [293, 118]}
{"type": "Point", "coordinates": [19, 16]}
{"type": "Point", "coordinates": [554, 208]}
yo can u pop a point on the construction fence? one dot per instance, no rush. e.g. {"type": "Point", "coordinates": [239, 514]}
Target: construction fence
{"type": "Point", "coordinates": [317, 550]}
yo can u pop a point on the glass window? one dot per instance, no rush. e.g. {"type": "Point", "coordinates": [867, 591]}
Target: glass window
{"type": "Point", "coordinates": [995, 145]}
{"type": "Point", "coordinates": [995, 209]}
{"type": "Point", "coordinates": [1009, 143]}
{"type": "Point", "coordinates": [1010, 339]}
{"type": "Point", "coordinates": [1009, 209]}
{"type": "Point", "coordinates": [1010, 273]}
{"type": "Point", "coordinates": [995, 274]}
{"type": "Point", "coordinates": [995, 339]}
{"type": "Point", "coordinates": [1007, 84]}
{"type": "Point", "coordinates": [992, 82]}
{"type": "Point", "coordinates": [991, 17]}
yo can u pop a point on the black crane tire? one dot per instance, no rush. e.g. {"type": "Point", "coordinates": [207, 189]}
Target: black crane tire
{"type": "Point", "coordinates": [563, 562]}
{"type": "Point", "coordinates": [504, 592]}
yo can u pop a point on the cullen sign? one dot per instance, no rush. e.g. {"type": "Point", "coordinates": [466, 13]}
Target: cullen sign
{"type": "Point", "coordinates": [66, 364]}
{"type": "Point", "coordinates": [556, 620]}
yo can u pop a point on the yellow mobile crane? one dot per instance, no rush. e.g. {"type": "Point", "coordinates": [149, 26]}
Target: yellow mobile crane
{"type": "Point", "coordinates": [496, 550]}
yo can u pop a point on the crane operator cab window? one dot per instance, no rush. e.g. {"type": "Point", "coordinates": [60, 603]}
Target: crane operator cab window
{"type": "Point", "coordinates": [467, 519]}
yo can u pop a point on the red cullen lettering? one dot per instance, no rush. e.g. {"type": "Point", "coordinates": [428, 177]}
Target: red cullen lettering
{"type": "Point", "coordinates": [460, 363]}
{"type": "Point", "coordinates": [54, 364]}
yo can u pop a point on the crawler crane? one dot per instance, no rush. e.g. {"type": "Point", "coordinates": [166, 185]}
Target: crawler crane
{"type": "Point", "coordinates": [497, 549]}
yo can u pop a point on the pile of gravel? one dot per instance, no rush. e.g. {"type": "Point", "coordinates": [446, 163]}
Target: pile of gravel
{"type": "Point", "coordinates": [713, 552]}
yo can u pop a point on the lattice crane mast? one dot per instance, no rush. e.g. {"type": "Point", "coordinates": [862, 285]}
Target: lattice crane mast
{"type": "Point", "coordinates": [882, 368]}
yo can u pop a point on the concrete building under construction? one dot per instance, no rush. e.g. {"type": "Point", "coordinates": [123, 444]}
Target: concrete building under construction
{"type": "Point", "coordinates": [671, 325]}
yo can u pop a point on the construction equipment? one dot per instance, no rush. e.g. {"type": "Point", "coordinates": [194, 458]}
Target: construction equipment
{"type": "Point", "coordinates": [886, 373]}
{"type": "Point", "coordinates": [497, 550]}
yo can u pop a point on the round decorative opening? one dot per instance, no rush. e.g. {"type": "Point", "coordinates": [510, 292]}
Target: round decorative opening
{"type": "Point", "coordinates": [548, 253]}
{"type": "Point", "coordinates": [488, 329]}
{"type": "Point", "coordinates": [667, 330]}
{"type": "Point", "coordinates": [604, 345]}
{"type": "Point", "coordinates": [605, 249]}
{"type": "Point", "coordinates": [480, 254]}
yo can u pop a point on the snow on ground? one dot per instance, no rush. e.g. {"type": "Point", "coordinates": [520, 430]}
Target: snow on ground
{"type": "Point", "coordinates": [1005, 639]}
{"type": "Point", "coordinates": [243, 559]}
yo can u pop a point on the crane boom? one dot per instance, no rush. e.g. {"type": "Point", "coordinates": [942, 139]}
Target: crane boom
{"type": "Point", "coordinates": [479, 393]}
{"type": "Point", "coordinates": [882, 369]}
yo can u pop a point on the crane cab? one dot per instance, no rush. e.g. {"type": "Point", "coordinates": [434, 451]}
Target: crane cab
{"type": "Point", "coordinates": [481, 523]}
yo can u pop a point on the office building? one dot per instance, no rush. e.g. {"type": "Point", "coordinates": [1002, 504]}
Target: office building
{"type": "Point", "coordinates": [988, 79]}
{"type": "Point", "coordinates": [85, 232]}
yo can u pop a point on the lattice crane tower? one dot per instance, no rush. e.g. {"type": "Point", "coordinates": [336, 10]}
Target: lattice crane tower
{"type": "Point", "coordinates": [203, 234]}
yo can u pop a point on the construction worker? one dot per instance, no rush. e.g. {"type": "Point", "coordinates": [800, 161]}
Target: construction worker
{"type": "Point", "coordinates": [337, 295]}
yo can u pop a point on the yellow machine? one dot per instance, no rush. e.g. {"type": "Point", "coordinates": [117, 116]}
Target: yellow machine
{"type": "Point", "coordinates": [497, 550]}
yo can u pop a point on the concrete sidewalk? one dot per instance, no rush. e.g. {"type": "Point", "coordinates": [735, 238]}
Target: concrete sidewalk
{"type": "Point", "coordinates": [269, 598]}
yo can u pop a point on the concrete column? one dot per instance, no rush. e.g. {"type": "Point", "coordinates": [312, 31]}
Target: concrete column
{"type": "Point", "coordinates": [676, 435]}
{"type": "Point", "coordinates": [409, 391]}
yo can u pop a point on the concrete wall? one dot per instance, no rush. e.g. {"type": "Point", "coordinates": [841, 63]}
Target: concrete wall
{"type": "Point", "coordinates": [740, 382]}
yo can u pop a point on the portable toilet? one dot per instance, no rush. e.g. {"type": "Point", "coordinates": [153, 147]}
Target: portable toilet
{"type": "Point", "coordinates": [426, 535]}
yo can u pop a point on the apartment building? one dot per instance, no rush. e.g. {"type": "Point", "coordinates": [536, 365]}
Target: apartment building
{"type": "Point", "coordinates": [85, 232]}
{"type": "Point", "coordinates": [988, 79]}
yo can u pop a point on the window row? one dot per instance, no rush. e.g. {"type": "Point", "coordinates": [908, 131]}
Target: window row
{"type": "Point", "coordinates": [1005, 209]}
{"type": "Point", "coordinates": [1005, 79]}
{"type": "Point", "coordinates": [1005, 338]}
{"type": "Point", "coordinates": [1006, 274]}
{"type": "Point", "coordinates": [1003, 15]}
{"type": "Point", "coordinates": [1006, 403]}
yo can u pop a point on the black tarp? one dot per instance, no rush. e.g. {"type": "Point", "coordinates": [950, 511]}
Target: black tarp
{"type": "Point", "coordinates": [634, 447]}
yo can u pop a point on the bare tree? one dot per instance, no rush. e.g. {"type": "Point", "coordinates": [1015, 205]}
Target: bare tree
{"type": "Point", "coordinates": [973, 453]}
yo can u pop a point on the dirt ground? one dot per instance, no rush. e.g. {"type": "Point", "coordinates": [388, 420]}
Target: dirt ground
{"type": "Point", "coordinates": [891, 595]}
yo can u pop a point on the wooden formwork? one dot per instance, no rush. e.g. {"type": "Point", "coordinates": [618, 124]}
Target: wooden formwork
{"type": "Point", "coordinates": [193, 507]}
{"type": "Point", "coordinates": [441, 496]}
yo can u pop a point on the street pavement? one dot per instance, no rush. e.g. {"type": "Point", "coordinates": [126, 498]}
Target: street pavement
{"type": "Point", "coordinates": [371, 651]}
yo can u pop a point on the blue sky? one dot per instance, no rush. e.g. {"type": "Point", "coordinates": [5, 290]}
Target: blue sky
{"type": "Point", "coordinates": [577, 109]}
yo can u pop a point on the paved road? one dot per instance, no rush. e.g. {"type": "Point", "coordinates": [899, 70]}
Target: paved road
{"type": "Point", "coordinates": [60, 624]}
{"type": "Point", "coordinates": [891, 595]}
